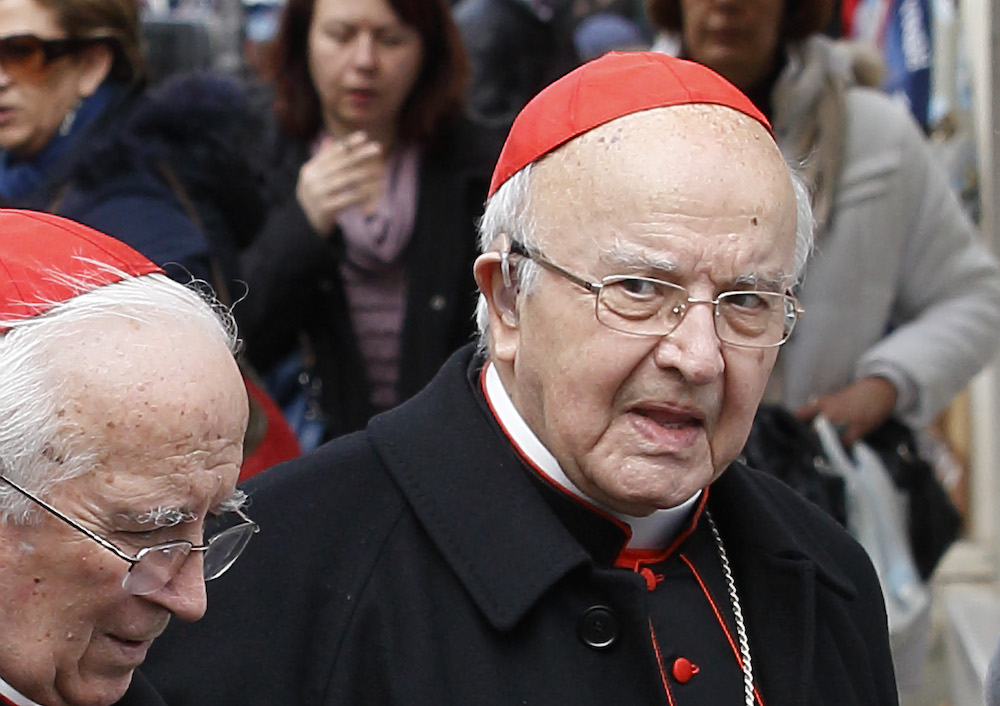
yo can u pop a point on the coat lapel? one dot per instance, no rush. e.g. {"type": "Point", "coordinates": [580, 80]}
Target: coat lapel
{"type": "Point", "coordinates": [468, 503]}
{"type": "Point", "coordinates": [777, 577]}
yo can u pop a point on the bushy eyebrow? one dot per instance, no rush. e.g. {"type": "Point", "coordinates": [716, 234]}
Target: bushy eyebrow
{"type": "Point", "coordinates": [618, 256]}
{"type": "Point", "coordinates": [764, 283]}
{"type": "Point", "coordinates": [160, 516]}
{"type": "Point", "coordinates": [234, 502]}
{"type": "Point", "coordinates": [172, 516]}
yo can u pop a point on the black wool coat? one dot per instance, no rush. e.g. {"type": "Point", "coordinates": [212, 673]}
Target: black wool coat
{"type": "Point", "coordinates": [295, 290]}
{"type": "Point", "coordinates": [419, 562]}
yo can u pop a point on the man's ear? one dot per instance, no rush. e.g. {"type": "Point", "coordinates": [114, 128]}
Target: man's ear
{"type": "Point", "coordinates": [95, 64]}
{"type": "Point", "coordinates": [495, 278]}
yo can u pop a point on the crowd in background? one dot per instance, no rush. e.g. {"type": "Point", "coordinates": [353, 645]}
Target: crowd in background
{"type": "Point", "coordinates": [334, 195]}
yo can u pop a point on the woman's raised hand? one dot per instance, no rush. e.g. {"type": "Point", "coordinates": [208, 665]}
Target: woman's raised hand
{"type": "Point", "coordinates": [342, 173]}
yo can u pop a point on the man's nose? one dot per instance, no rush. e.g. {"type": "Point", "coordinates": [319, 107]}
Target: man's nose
{"type": "Point", "coordinates": [693, 348]}
{"type": "Point", "coordinates": [184, 595]}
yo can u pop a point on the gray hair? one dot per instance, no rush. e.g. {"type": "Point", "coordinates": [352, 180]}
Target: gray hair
{"type": "Point", "coordinates": [508, 216]}
{"type": "Point", "coordinates": [32, 454]}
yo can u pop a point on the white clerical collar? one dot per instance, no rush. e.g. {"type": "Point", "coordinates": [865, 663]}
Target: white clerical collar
{"type": "Point", "coordinates": [654, 531]}
{"type": "Point", "coordinates": [13, 696]}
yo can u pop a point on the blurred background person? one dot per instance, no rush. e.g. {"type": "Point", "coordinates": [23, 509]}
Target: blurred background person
{"type": "Point", "coordinates": [81, 137]}
{"type": "Point", "coordinates": [363, 268]}
{"type": "Point", "coordinates": [515, 47]}
{"type": "Point", "coordinates": [597, 34]}
{"type": "Point", "coordinates": [903, 300]}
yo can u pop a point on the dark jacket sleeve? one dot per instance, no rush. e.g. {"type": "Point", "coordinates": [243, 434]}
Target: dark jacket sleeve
{"type": "Point", "coordinates": [139, 210]}
{"type": "Point", "coordinates": [282, 267]}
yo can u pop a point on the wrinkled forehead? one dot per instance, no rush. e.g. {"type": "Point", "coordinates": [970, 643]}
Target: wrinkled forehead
{"type": "Point", "coordinates": [668, 150]}
{"type": "Point", "coordinates": [118, 365]}
{"type": "Point", "coordinates": [691, 161]}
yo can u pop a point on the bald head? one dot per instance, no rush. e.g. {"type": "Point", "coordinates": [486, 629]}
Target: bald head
{"type": "Point", "coordinates": [704, 162]}
{"type": "Point", "coordinates": [173, 384]}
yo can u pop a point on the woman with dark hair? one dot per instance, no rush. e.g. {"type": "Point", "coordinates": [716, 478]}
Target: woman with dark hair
{"type": "Point", "coordinates": [82, 137]}
{"type": "Point", "coordinates": [364, 265]}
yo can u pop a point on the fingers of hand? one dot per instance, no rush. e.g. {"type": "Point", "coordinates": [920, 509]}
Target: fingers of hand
{"type": "Point", "coordinates": [809, 410]}
{"type": "Point", "coordinates": [852, 415]}
{"type": "Point", "coordinates": [355, 149]}
{"type": "Point", "coordinates": [324, 196]}
{"type": "Point", "coordinates": [332, 169]}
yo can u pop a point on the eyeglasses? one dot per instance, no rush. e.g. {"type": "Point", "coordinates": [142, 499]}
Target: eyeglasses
{"type": "Point", "coordinates": [153, 567]}
{"type": "Point", "coordinates": [25, 56]}
{"type": "Point", "coordinates": [650, 307]}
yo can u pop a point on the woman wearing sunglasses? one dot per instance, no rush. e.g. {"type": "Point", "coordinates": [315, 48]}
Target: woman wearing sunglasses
{"type": "Point", "coordinates": [80, 136]}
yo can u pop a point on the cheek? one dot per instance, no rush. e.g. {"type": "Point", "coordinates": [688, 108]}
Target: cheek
{"type": "Point", "coordinates": [747, 372]}
{"type": "Point", "coordinates": [45, 113]}
{"type": "Point", "coordinates": [405, 73]}
{"type": "Point", "coordinates": [323, 65]}
{"type": "Point", "coordinates": [36, 105]}
{"type": "Point", "coordinates": [316, 73]}
{"type": "Point", "coordinates": [583, 383]}
{"type": "Point", "coordinates": [746, 376]}
{"type": "Point", "coordinates": [64, 600]}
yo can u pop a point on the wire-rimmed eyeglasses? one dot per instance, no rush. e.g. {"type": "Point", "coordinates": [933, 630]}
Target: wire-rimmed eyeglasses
{"type": "Point", "coordinates": [153, 567]}
{"type": "Point", "coordinates": [644, 306]}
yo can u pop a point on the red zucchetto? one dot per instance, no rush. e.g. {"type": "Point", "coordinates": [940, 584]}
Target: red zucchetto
{"type": "Point", "coordinates": [617, 84]}
{"type": "Point", "coordinates": [46, 259]}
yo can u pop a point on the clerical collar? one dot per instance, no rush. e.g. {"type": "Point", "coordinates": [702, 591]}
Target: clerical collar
{"type": "Point", "coordinates": [10, 695]}
{"type": "Point", "coordinates": [652, 532]}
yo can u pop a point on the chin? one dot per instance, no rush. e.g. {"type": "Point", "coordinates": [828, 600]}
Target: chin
{"type": "Point", "coordinates": [100, 691]}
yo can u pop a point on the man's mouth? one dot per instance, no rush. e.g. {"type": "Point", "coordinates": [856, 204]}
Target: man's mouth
{"type": "Point", "coordinates": [668, 428]}
{"type": "Point", "coordinates": [669, 418]}
{"type": "Point", "coordinates": [130, 652]}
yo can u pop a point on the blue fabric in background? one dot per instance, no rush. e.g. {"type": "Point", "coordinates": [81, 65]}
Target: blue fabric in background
{"type": "Point", "coordinates": [908, 51]}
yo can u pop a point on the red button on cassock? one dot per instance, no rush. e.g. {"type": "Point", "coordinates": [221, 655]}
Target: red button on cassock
{"type": "Point", "coordinates": [684, 669]}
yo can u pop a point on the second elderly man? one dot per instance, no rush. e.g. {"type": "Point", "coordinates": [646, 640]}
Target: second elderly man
{"type": "Point", "coordinates": [122, 417]}
{"type": "Point", "coordinates": [559, 518]}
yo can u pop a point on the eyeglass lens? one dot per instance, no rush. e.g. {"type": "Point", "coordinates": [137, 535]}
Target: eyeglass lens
{"type": "Point", "coordinates": [225, 548]}
{"type": "Point", "coordinates": [25, 56]}
{"type": "Point", "coordinates": [156, 566]}
{"type": "Point", "coordinates": [651, 307]}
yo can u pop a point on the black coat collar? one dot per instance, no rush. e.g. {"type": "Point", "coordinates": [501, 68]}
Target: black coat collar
{"type": "Point", "coordinates": [500, 535]}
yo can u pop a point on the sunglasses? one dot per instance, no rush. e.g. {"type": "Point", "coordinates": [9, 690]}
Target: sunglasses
{"type": "Point", "coordinates": [25, 56]}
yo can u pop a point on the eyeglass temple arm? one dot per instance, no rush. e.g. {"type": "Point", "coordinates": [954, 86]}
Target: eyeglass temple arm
{"type": "Point", "coordinates": [517, 248]}
{"type": "Point", "coordinates": [96, 537]}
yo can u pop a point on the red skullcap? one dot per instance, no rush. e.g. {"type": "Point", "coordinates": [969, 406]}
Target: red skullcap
{"type": "Point", "coordinates": [617, 84]}
{"type": "Point", "coordinates": [40, 252]}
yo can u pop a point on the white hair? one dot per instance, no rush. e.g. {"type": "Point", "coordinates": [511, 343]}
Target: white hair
{"type": "Point", "coordinates": [509, 217]}
{"type": "Point", "coordinates": [32, 454]}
